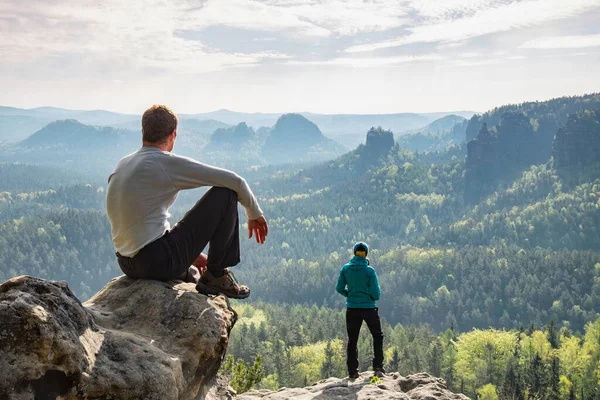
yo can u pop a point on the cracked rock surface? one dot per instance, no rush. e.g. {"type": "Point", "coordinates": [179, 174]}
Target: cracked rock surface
{"type": "Point", "coordinates": [420, 386]}
{"type": "Point", "coordinates": [135, 339]}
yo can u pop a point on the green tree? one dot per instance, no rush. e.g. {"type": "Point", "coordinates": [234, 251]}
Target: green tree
{"type": "Point", "coordinates": [328, 367]}
{"type": "Point", "coordinates": [242, 376]}
{"type": "Point", "coordinates": [487, 392]}
{"type": "Point", "coordinates": [394, 360]}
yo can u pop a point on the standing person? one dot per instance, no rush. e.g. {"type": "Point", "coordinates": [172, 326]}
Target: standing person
{"type": "Point", "coordinates": [140, 191]}
{"type": "Point", "coordinates": [358, 283]}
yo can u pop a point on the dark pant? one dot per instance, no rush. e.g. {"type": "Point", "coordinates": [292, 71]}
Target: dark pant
{"type": "Point", "coordinates": [213, 219]}
{"type": "Point", "coordinates": [354, 320]}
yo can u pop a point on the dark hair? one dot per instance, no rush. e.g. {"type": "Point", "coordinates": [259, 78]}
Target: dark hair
{"type": "Point", "coordinates": [157, 123]}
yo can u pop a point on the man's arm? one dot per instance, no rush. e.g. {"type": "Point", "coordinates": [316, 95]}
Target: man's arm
{"type": "Point", "coordinates": [341, 284]}
{"type": "Point", "coordinates": [187, 173]}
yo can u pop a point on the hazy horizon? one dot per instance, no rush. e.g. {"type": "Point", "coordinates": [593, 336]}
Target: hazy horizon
{"type": "Point", "coordinates": [327, 57]}
{"type": "Point", "coordinates": [242, 112]}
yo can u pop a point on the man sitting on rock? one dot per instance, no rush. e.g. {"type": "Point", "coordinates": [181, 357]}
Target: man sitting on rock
{"type": "Point", "coordinates": [140, 191]}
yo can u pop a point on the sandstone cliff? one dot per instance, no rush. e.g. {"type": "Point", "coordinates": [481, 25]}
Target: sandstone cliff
{"type": "Point", "coordinates": [135, 339]}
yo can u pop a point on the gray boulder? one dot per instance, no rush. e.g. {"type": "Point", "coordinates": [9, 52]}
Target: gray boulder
{"type": "Point", "coordinates": [135, 339]}
{"type": "Point", "coordinates": [392, 386]}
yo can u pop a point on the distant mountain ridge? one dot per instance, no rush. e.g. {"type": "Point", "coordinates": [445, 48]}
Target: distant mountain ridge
{"type": "Point", "coordinates": [293, 139]}
{"type": "Point", "coordinates": [443, 124]}
{"type": "Point", "coordinates": [73, 135]}
{"type": "Point", "coordinates": [347, 129]}
{"type": "Point", "coordinates": [438, 136]}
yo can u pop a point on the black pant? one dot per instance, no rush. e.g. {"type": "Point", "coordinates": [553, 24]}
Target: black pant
{"type": "Point", "coordinates": [213, 219]}
{"type": "Point", "coordinates": [354, 320]}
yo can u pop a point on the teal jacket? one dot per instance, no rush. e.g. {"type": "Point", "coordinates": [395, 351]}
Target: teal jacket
{"type": "Point", "coordinates": [358, 283]}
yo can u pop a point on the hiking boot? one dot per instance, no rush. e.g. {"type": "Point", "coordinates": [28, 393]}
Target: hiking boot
{"type": "Point", "coordinates": [379, 372]}
{"type": "Point", "coordinates": [225, 284]}
{"type": "Point", "coordinates": [354, 375]}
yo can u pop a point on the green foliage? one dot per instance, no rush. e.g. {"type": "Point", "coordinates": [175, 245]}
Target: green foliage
{"type": "Point", "coordinates": [487, 392]}
{"type": "Point", "coordinates": [242, 376]}
{"type": "Point", "coordinates": [375, 380]}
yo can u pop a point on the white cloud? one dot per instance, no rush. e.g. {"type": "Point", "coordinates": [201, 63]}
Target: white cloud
{"type": "Point", "coordinates": [499, 18]}
{"type": "Point", "coordinates": [133, 35]}
{"type": "Point", "coordinates": [309, 18]}
{"type": "Point", "coordinates": [140, 34]}
{"type": "Point", "coordinates": [563, 42]}
{"type": "Point", "coordinates": [369, 62]}
{"type": "Point", "coordinates": [452, 9]}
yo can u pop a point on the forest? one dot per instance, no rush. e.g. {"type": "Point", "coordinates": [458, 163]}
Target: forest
{"type": "Point", "coordinates": [493, 284]}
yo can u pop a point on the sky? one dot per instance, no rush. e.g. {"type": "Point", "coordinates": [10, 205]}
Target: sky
{"type": "Point", "coordinates": [323, 56]}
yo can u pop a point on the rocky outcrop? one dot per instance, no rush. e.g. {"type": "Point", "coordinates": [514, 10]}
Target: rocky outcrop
{"type": "Point", "coordinates": [232, 138]}
{"type": "Point", "coordinates": [135, 339]}
{"type": "Point", "coordinates": [393, 386]}
{"type": "Point", "coordinates": [502, 152]}
{"type": "Point", "coordinates": [577, 143]}
{"type": "Point", "coordinates": [379, 141]}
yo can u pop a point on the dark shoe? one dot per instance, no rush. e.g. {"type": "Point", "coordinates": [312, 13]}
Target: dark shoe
{"type": "Point", "coordinates": [225, 284]}
{"type": "Point", "coordinates": [354, 375]}
{"type": "Point", "coordinates": [379, 372]}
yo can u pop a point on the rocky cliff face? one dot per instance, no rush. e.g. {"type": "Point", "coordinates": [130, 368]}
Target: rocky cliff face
{"type": "Point", "coordinates": [503, 151]}
{"type": "Point", "coordinates": [135, 339]}
{"type": "Point", "coordinates": [379, 141]}
{"type": "Point", "coordinates": [393, 386]}
{"type": "Point", "coordinates": [578, 141]}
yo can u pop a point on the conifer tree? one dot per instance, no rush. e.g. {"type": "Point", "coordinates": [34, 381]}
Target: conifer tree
{"type": "Point", "coordinates": [328, 365]}
{"type": "Point", "coordinates": [394, 361]}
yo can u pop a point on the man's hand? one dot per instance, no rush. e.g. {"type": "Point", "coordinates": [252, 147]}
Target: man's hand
{"type": "Point", "coordinates": [200, 262]}
{"type": "Point", "coordinates": [259, 228]}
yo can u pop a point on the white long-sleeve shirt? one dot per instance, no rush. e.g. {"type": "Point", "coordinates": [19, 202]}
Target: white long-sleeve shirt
{"type": "Point", "coordinates": [146, 183]}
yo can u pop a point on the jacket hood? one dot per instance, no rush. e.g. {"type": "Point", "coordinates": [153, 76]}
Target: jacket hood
{"type": "Point", "coordinates": [357, 262]}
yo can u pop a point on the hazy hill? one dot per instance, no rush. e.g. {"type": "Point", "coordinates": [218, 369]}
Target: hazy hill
{"type": "Point", "coordinates": [17, 124]}
{"type": "Point", "coordinates": [72, 135]}
{"type": "Point", "coordinates": [14, 128]}
{"type": "Point", "coordinates": [295, 138]}
{"type": "Point", "coordinates": [443, 124]}
{"type": "Point", "coordinates": [70, 144]}
{"type": "Point", "coordinates": [436, 136]}
{"type": "Point", "coordinates": [90, 117]}
{"type": "Point", "coordinates": [234, 118]}
{"type": "Point", "coordinates": [232, 138]}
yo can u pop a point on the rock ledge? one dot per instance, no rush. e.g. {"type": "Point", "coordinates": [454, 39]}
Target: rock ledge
{"type": "Point", "coordinates": [420, 386]}
{"type": "Point", "coordinates": [135, 339]}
